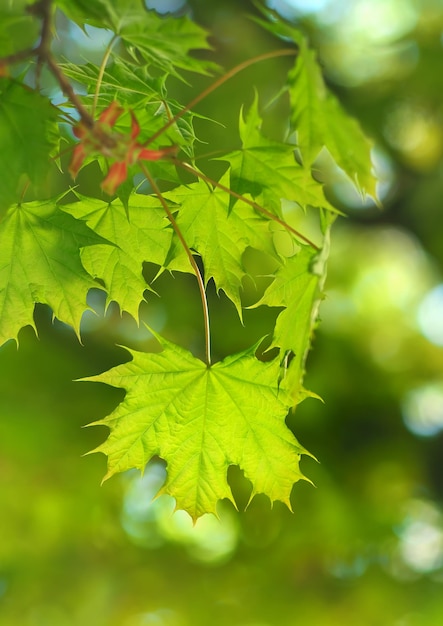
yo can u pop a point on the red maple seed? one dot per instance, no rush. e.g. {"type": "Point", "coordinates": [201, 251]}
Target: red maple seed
{"type": "Point", "coordinates": [124, 150]}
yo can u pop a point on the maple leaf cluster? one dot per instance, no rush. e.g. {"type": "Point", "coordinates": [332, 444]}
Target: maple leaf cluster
{"type": "Point", "coordinates": [200, 417]}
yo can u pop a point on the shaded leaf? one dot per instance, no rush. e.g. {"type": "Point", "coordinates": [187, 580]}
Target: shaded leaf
{"type": "Point", "coordinates": [18, 30]}
{"type": "Point", "coordinates": [163, 43]}
{"type": "Point", "coordinates": [26, 119]}
{"type": "Point", "coordinates": [317, 115]}
{"type": "Point", "coordinates": [94, 12]}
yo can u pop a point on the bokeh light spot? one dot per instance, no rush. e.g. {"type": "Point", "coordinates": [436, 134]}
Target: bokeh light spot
{"type": "Point", "coordinates": [209, 541]}
{"type": "Point", "coordinates": [421, 537]}
{"type": "Point", "coordinates": [382, 20]}
{"type": "Point", "coordinates": [160, 617]}
{"type": "Point", "coordinates": [430, 315]}
{"type": "Point", "coordinates": [416, 133]}
{"type": "Point", "coordinates": [290, 8]}
{"type": "Point", "coordinates": [165, 6]}
{"type": "Point", "coordinates": [422, 410]}
{"type": "Point", "coordinates": [152, 522]}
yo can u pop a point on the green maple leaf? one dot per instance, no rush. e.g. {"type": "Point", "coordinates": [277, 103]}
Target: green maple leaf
{"type": "Point", "coordinates": [40, 262]}
{"type": "Point", "coordinates": [320, 120]}
{"type": "Point", "coordinates": [26, 119]}
{"type": "Point", "coordinates": [165, 44]}
{"type": "Point", "coordinates": [297, 286]}
{"type": "Point", "coordinates": [145, 236]}
{"type": "Point", "coordinates": [268, 169]}
{"type": "Point", "coordinates": [220, 236]}
{"type": "Point", "coordinates": [317, 115]}
{"type": "Point", "coordinates": [162, 43]}
{"type": "Point", "coordinates": [17, 29]}
{"type": "Point", "coordinates": [133, 85]}
{"type": "Point", "coordinates": [93, 12]}
{"type": "Point", "coordinates": [201, 420]}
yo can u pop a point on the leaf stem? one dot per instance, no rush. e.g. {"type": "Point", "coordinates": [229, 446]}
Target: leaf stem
{"type": "Point", "coordinates": [232, 72]}
{"type": "Point", "coordinates": [102, 71]}
{"type": "Point", "coordinates": [192, 261]}
{"type": "Point", "coordinates": [251, 203]}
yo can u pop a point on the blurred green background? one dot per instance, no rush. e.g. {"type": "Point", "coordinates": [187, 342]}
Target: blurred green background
{"type": "Point", "coordinates": [365, 547]}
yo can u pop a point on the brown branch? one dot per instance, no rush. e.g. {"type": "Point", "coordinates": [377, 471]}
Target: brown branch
{"type": "Point", "coordinates": [69, 92]}
{"type": "Point", "coordinates": [22, 55]}
{"type": "Point", "coordinates": [43, 9]}
{"type": "Point", "coordinates": [42, 52]}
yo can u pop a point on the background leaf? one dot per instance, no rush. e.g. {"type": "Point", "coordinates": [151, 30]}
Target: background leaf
{"type": "Point", "coordinates": [317, 116]}
{"type": "Point", "coordinates": [164, 44]}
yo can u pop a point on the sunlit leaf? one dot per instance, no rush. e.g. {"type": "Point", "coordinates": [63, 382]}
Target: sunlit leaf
{"type": "Point", "coordinates": [201, 420]}
{"type": "Point", "coordinates": [145, 236]}
{"type": "Point", "coordinates": [220, 236]}
{"type": "Point", "coordinates": [320, 120]}
{"type": "Point", "coordinates": [130, 84]}
{"type": "Point", "coordinates": [268, 169]}
{"type": "Point", "coordinates": [40, 262]}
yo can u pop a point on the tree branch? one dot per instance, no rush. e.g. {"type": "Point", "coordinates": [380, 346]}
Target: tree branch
{"type": "Point", "coordinates": [42, 52]}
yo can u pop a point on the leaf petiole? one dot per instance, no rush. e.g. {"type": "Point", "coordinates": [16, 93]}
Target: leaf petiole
{"type": "Point", "coordinates": [216, 84]}
{"type": "Point", "coordinates": [251, 203]}
{"type": "Point", "coordinates": [192, 261]}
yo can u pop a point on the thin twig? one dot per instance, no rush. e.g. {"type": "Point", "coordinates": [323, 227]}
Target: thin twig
{"type": "Point", "coordinates": [69, 92]}
{"type": "Point", "coordinates": [192, 261]}
{"type": "Point", "coordinates": [235, 70]}
{"type": "Point", "coordinates": [21, 55]}
{"type": "Point", "coordinates": [45, 38]}
{"type": "Point", "coordinates": [251, 203]}
{"type": "Point", "coordinates": [42, 52]}
{"type": "Point", "coordinates": [101, 72]}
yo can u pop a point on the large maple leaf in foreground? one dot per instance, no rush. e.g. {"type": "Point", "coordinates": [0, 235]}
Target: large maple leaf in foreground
{"type": "Point", "coordinates": [200, 420]}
